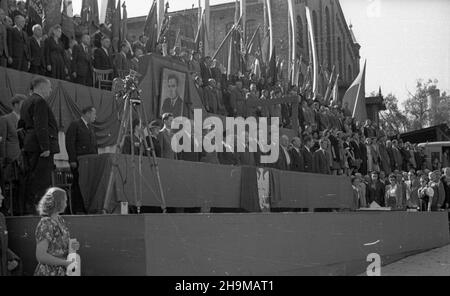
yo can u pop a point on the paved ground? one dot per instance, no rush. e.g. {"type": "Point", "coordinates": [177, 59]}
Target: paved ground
{"type": "Point", "coordinates": [433, 263]}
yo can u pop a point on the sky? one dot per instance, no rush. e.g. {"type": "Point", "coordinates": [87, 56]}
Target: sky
{"type": "Point", "coordinates": [402, 40]}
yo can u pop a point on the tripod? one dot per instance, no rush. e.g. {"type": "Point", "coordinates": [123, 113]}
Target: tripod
{"type": "Point", "coordinates": [128, 91]}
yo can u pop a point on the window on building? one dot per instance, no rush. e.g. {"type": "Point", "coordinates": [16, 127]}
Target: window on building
{"type": "Point", "coordinates": [328, 34]}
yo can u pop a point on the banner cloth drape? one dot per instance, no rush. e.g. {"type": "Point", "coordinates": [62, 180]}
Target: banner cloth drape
{"type": "Point", "coordinates": [192, 184]}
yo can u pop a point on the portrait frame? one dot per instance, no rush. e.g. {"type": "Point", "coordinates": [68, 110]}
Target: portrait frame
{"type": "Point", "coordinates": [165, 105]}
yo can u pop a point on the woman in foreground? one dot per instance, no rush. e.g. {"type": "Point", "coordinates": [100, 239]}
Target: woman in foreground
{"type": "Point", "coordinates": [52, 235]}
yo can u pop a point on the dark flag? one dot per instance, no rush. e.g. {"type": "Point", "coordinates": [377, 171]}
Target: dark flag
{"type": "Point", "coordinates": [115, 28]}
{"type": "Point", "coordinates": [124, 22]}
{"type": "Point", "coordinates": [200, 38]}
{"type": "Point", "coordinates": [52, 14]}
{"type": "Point", "coordinates": [272, 72]}
{"type": "Point", "coordinates": [265, 48]}
{"type": "Point", "coordinates": [164, 26]}
{"type": "Point", "coordinates": [151, 29]}
{"type": "Point", "coordinates": [254, 46]}
{"type": "Point", "coordinates": [90, 15]}
{"type": "Point", "coordinates": [35, 11]}
{"type": "Point", "coordinates": [109, 16]}
{"type": "Point", "coordinates": [235, 58]}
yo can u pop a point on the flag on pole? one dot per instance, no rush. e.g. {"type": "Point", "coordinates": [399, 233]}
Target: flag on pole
{"type": "Point", "coordinates": [90, 15]}
{"type": "Point", "coordinates": [254, 45]}
{"type": "Point", "coordinates": [355, 96]}
{"type": "Point", "coordinates": [335, 101]}
{"type": "Point", "coordinates": [243, 16]}
{"type": "Point", "coordinates": [257, 68]}
{"type": "Point", "coordinates": [151, 29]}
{"type": "Point", "coordinates": [52, 14]}
{"type": "Point", "coordinates": [235, 59]}
{"type": "Point", "coordinates": [68, 27]}
{"type": "Point", "coordinates": [271, 45]}
{"type": "Point", "coordinates": [313, 53]}
{"type": "Point", "coordinates": [296, 69]}
{"type": "Point", "coordinates": [199, 13]}
{"type": "Point", "coordinates": [124, 33]}
{"type": "Point", "coordinates": [115, 28]}
{"type": "Point", "coordinates": [272, 72]}
{"type": "Point", "coordinates": [109, 14]}
{"type": "Point", "coordinates": [293, 31]}
{"type": "Point", "coordinates": [201, 37]}
{"type": "Point", "coordinates": [328, 93]}
{"type": "Point", "coordinates": [265, 48]}
{"type": "Point", "coordinates": [164, 30]}
{"type": "Point", "coordinates": [35, 11]}
{"type": "Point", "coordinates": [177, 39]}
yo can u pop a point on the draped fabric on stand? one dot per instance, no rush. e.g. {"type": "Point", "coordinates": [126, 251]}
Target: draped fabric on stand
{"type": "Point", "coordinates": [191, 184]}
{"type": "Point", "coordinates": [67, 100]}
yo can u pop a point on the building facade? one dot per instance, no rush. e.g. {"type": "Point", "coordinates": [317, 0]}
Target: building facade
{"type": "Point", "coordinates": [335, 42]}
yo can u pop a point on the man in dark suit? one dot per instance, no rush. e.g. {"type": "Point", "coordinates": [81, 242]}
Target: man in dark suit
{"type": "Point", "coordinates": [80, 140]}
{"type": "Point", "coordinates": [41, 141]}
{"type": "Point", "coordinates": [154, 128]}
{"type": "Point", "coordinates": [398, 159]}
{"type": "Point", "coordinates": [121, 63]}
{"type": "Point", "coordinates": [10, 154]}
{"type": "Point", "coordinates": [363, 151]}
{"type": "Point", "coordinates": [4, 54]}
{"type": "Point", "coordinates": [37, 51]}
{"type": "Point", "coordinates": [307, 154]}
{"type": "Point", "coordinates": [321, 162]}
{"type": "Point", "coordinates": [354, 145]}
{"type": "Point", "coordinates": [298, 164]}
{"type": "Point", "coordinates": [284, 158]}
{"type": "Point", "coordinates": [165, 137]}
{"type": "Point", "coordinates": [18, 46]}
{"type": "Point", "coordinates": [174, 103]}
{"type": "Point", "coordinates": [82, 61]}
{"type": "Point", "coordinates": [102, 56]}
{"type": "Point", "coordinates": [133, 142]}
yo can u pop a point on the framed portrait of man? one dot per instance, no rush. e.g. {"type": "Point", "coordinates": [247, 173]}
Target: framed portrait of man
{"type": "Point", "coordinates": [173, 86]}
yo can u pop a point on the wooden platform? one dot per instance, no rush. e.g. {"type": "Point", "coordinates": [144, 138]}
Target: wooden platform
{"type": "Point", "coordinates": [240, 244]}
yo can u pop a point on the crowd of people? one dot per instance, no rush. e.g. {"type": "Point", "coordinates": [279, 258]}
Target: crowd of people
{"type": "Point", "coordinates": [328, 140]}
{"type": "Point", "coordinates": [25, 47]}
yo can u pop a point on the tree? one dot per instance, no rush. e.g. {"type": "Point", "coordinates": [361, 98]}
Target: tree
{"type": "Point", "coordinates": [418, 110]}
{"type": "Point", "coordinates": [393, 119]}
{"type": "Point", "coordinates": [443, 110]}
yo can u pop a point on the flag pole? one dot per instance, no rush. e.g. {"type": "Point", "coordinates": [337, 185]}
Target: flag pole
{"type": "Point", "coordinates": [225, 40]}
{"type": "Point", "coordinates": [269, 13]}
{"type": "Point", "coordinates": [359, 89]}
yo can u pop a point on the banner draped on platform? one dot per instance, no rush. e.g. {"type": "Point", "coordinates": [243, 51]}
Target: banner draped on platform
{"type": "Point", "coordinates": [67, 100]}
{"type": "Point", "coordinates": [191, 184]}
